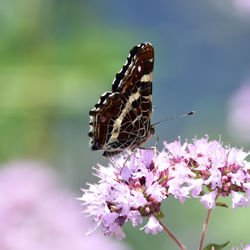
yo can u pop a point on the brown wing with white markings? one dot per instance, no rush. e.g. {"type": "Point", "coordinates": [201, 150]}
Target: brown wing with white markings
{"type": "Point", "coordinates": [122, 118]}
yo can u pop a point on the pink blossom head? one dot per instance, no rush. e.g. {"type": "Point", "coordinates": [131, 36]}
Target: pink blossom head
{"type": "Point", "coordinates": [36, 213]}
{"type": "Point", "coordinates": [132, 188]}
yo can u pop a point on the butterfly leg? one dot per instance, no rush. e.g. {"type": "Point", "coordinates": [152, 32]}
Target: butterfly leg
{"type": "Point", "coordinates": [153, 147]}
{"type": "Point", "coordinates": [128, 158]}
{"type": "Point", "coordinates": [156, 142]}
{"type": "Point", "coordinates": [157, 139]}
{"type": "Point", "coordinates": [113, 153]}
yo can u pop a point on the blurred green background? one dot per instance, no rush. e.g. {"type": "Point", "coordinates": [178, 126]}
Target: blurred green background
{"type": "Point", "coordinates": [57, 57]}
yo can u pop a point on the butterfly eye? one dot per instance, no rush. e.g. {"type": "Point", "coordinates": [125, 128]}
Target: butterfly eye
{"type": "Point", "coordinates": [103, 119]}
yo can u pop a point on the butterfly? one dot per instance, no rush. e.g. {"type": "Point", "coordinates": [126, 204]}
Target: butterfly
{"type": "Point", "coordinates": [121, 119]}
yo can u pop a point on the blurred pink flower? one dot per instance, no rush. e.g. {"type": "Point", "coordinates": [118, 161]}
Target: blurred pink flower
{"type": "Point", "coordinates": [239, 110]}
{"type": "Point", "coordinates": [243, 6]}
{"type": "Point", "coordinates": [247, 247]}
{"type": "Point", "coordinates": [37, 214]}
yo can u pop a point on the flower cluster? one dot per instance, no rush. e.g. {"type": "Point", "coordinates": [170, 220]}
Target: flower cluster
{"type": "Point", "coordinates": [223, 170]}
{"type": "Point", "coordinates": [134, 186]}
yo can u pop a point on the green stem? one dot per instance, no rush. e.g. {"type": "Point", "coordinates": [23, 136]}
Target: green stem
{"type": "Point", "coordinates": [172, 236]}
{"type": "Point", "coordinates": [204, 231]}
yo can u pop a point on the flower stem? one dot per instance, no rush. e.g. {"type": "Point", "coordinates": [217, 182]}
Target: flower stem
{"type": "Point", "coordinates": [205, 228]}
{"type": "Point", "coordinates": [204, 231]}
{"type": "Point", "coordinates": [172, 236]}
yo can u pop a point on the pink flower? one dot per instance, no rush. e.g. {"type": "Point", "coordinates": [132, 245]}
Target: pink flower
{"type": "Point", "coordinates": [208, 200]}
{"type": "Point", "coordinates": [152, 226]}
{"type": "Point", "coordinates": [239, 107]}
{"type": "Point", "coordinates": [176, 149]}
{"type": "Point", "coordinates": [37, 214]}
{"type": "Point", "coordinates": [133, 188]}
{"type": "Point", "coordinates": [195, 185]}
{"type": "Point", "coordinates": [214, 179]}
{"type": "Point", "coordinates": [178, 177]}
{"type": "Point", "coordinates": [239, 200]}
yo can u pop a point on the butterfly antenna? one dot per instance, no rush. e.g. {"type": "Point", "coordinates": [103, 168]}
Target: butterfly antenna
{"type": "Point", "coordinates": [175, 117]}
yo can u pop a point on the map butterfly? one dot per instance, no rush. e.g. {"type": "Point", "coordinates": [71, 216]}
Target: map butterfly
{"type": "Point", "coordinates": [122, 118]}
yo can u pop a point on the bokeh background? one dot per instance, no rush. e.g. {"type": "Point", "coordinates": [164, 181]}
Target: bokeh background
{"type": "Point", "coordinates": [59, 56]}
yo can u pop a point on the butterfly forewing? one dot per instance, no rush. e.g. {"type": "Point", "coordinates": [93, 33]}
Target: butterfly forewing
{"type": "Point", "coordinates": [139, 67]}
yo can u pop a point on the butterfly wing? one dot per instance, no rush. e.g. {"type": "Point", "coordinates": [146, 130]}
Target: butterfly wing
{"type": "Point", "coordinates": [138, 67]}
{"type": "Point", "coordinates": [122, 118]}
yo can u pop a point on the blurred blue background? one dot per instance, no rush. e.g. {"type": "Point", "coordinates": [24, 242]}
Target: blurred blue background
{"type": "Point", "coordinates": [58, 57]}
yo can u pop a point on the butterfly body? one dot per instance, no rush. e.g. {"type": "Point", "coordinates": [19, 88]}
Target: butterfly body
{"type": "Point", "coordinates": [122, 118]}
